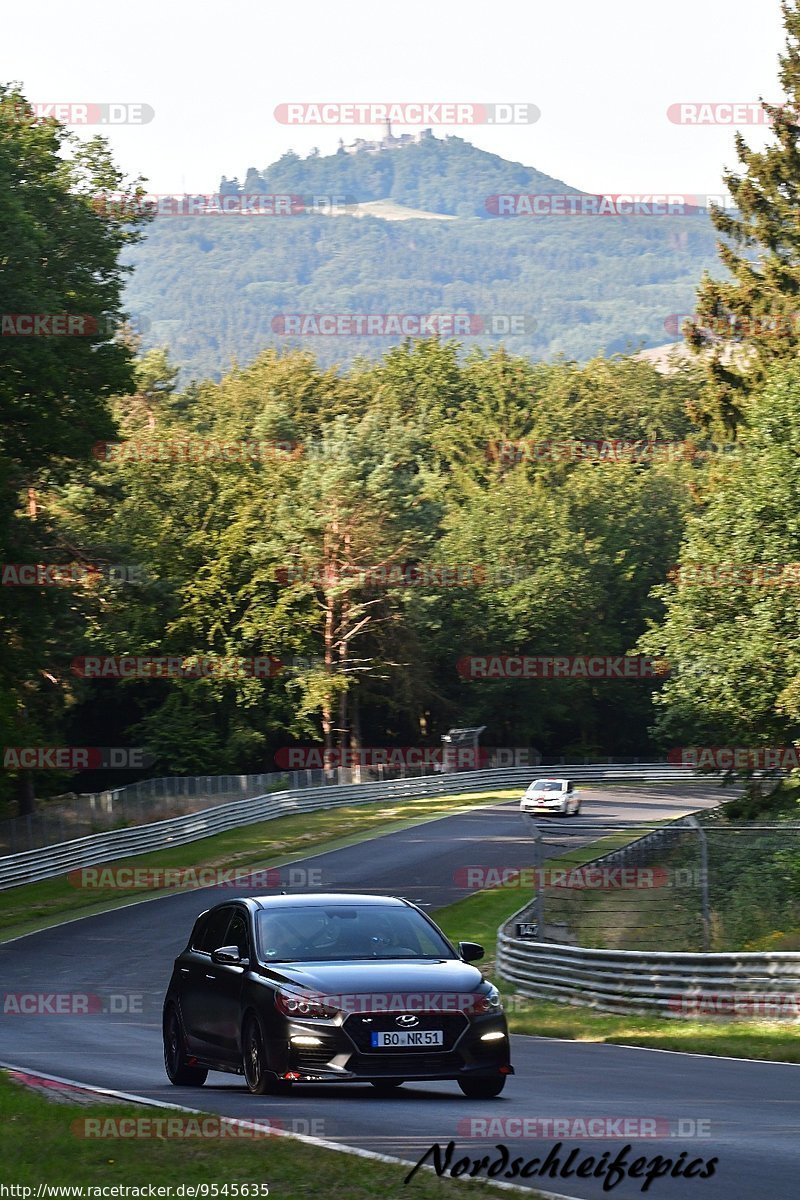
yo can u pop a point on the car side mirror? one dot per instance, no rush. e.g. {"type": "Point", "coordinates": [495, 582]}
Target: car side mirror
{"type": "Point", "coordinates": [470, 951]}
{"type": "Point", "coordinates": [228, 956]}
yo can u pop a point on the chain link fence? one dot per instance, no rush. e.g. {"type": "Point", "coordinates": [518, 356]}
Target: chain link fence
{"type": "Point", "coordinates": [74, 816]}
{"type": "Point", "coordinates": [698, 885]}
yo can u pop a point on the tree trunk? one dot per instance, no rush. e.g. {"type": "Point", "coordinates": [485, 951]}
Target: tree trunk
{"type": "Point", "coordinates": [355, 734]}
{"type": "Point", "coordinates": [327, 707]}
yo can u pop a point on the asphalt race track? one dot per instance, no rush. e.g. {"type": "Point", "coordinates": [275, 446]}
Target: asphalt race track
{"type": "Point", "coordinates": [751, 1110]}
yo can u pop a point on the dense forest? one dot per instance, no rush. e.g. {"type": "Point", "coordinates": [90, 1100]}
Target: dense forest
{"type": "Point", "coordinates": [362, 530]}
{"type": "Point", "coordinates": [257, 512]}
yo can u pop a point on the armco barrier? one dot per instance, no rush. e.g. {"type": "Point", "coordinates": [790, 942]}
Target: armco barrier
{"type": "Point", "coordinates": [667, 984]}
{"type": "Point", "coordinates": [44, 863]}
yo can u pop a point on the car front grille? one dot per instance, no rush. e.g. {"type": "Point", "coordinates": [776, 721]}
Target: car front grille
{"type": "Point", "coordinates": [422, 1063]}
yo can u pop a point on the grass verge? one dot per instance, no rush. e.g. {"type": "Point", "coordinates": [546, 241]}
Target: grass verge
{"type": "Point", "coordinates": [477, 919]}
{"type": "Point", "coordinates": [772, 1041]}
{"type": "Point", "coordinates": [33, 906]}
{"type": "Point", "coordinates": [41, 1143]}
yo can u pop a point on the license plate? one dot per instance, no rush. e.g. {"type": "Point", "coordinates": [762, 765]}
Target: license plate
{"type": "Point", "coordinates": [408, 1037]}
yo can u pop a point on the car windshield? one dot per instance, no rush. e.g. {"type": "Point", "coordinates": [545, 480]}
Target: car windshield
{"type": "Point", "coordinates": [337, 933]}
{"type": "Point", "coordinates": [546, 785]}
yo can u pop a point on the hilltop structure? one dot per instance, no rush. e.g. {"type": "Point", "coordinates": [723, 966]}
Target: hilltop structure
{"type": "Point", "coordinates": [389, 141]}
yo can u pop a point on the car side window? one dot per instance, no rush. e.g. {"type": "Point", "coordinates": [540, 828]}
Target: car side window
{"type": "Point", "coordinates": [216, 928]}
{"type": "Point", "coordinates": [196, 940]}
{"type": "Point", "coordinates": [237, 935]}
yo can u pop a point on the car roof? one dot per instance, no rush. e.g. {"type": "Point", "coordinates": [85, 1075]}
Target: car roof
{"type": "Point", "coordinates": [548, 779]}
{"type": "Point", "coordinates": [314, 900]}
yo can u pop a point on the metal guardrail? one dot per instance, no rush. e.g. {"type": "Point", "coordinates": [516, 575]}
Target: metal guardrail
{"type": "Point", "coordinates": [33, 865]}
{"type": "Point", "coordinates": [670, 985]}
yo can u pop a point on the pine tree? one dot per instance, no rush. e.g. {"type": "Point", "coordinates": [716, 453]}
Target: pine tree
{"type": "Point", "coordinates": [751, 319]}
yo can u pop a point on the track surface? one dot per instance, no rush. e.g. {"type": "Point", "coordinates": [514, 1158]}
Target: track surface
{"type": "Point", "coordinates": [752, 1109]}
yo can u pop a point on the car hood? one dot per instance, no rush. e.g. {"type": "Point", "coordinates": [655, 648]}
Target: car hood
{"type": "Point", "coordinates": [371, 975]}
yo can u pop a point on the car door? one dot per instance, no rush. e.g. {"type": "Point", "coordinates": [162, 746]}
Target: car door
{"type": "Point", "coordinates": [225, 994]}
{"type": "Point", "coordinates": [198, 978]}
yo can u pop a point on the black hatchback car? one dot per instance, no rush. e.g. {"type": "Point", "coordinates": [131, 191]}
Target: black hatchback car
{"type": "Point", "coordinates": [331, 989]}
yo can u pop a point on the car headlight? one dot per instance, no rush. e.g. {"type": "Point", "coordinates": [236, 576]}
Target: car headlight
{"type": "Point", "coordinates": [488, 1001]}
{"type": "Point", "coordinates": [305, 1008]}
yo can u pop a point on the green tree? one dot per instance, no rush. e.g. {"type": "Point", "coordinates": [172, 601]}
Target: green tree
{"type": "Point", "coordinates": [60, 250]}
{"type": "Point", "coordinates": [750, 319]}
{"type": "Point", "coordinates": [733, 640]}
{"type": "Point", "coordinates": [356, 512]}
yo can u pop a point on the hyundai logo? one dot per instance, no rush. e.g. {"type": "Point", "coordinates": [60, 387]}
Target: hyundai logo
{"type": "Point", "coordinates": [408, 1021]}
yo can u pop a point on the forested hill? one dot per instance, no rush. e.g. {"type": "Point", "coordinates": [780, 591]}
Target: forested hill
{"type": "Point", "coordinates": [443, 175]}
{"type": "Point", "coordinates": [214, 288]}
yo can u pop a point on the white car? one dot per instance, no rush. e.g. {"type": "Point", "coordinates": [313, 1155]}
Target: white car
{"type": "Point", "coordinates": [557, 797]}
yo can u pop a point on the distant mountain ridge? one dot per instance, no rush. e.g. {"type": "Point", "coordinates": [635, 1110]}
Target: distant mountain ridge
{"type": "Point", "coordinates": [214, 288]}
{"type": "Point", "coordinates": [440, 175]}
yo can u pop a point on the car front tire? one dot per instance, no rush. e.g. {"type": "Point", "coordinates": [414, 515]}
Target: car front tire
{"type": "Point", "coordinates": [259, 1079]}
{"type": "Point", "coordinates": [178, 1071]}
{"type": "Point", "coordinates": [482, 1089]}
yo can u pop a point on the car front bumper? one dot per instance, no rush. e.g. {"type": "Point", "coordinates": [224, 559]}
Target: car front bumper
{"type": "Point", "coordinates": [344, 1055]}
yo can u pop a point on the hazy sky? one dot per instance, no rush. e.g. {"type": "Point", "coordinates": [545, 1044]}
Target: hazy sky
{"type": "Point", "coordinates": [603, 75]}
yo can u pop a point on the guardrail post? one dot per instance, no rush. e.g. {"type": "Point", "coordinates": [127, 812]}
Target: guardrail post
{"type": "Point", "coordinates": [701, 833]}
{"type": "Point", "coordinates": [538, 895]}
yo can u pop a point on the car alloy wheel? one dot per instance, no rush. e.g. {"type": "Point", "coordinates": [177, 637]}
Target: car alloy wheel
{"type": "Point", "coordinates": [260, 1081]}
{"type": "Point", "coordinates": [178, 1071]}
